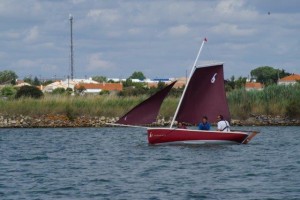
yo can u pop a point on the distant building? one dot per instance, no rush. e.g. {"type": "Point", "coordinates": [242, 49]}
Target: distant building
{"type": "Point", "coordinates": [181, 82]}
{"type": "Point", "coordinates": [67, 84]}
{"type": "Point", "coordinates": [78, 80]}
{"type": "Point", "coordinates": [253, 86]}
{"type": "Point", "coordinates": [95, 88]}
{"type": "Point", "coordinates": [289, 80]}
{"type": "Point", "coordinates": [58, 84]}
{"type": "Point", "coordinates": [116, 79]}
{"type": "Point", "coordinates": [20, 84]}
{"type": "Point", "coordinates": [154, 82]}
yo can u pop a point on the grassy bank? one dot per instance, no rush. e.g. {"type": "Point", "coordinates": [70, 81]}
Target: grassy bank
{"type": "Point", "coordinates": [110, 106]}
{"type": "Point", "coordinates": [273, 100]}
{"type": "Point", "coordinates": [79, 105]}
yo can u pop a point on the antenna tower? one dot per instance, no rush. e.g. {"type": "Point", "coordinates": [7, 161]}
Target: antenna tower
{"type": "Point", "coordinates": [71, 47]}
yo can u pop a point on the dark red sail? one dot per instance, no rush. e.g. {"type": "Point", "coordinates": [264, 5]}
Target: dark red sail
{"type": "Point", "coordinates": [147, 111]}
{"type": "Point", "coordinates": [205, 96]}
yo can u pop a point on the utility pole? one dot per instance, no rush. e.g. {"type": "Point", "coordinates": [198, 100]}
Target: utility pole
{"type": "Point", "coordinates": [71, 47]}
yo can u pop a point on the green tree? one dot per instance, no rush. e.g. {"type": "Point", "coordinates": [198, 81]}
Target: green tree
{"type": "Point", "coordinates": [100, 79]}
{"type": "Point", "coordinates": [29, 91]}
{"type": "Point", "coordinates": [36, 81]}
{"type": "Point", "coordinates": [232, 83]}
{"type": "Point", "coordinates": [240, 82]}
{"type": "Point", "coordinates": [8, 91]}
{"type": "Point", "coordinates": [47, 82]}
{"type": "Point", "coordinates": [137, 75]}
{"type": "Point", "coordinates": [282, 73]}
{"type": "Point", "coordinates": [127, 83]}
{"type": "Point", "coordinates": [160, 85]}
{"type": "Point", "coordinates": [69, 90]}
{"type": "Point", "coordinates": [8, 76]}
{"type": "Point", "coordinates": [59, 91]}
{"type": "Point", "coordinates": [28, 80]}
{"type": "Point", "coordinates": [268, 75]}
{"type": "Point", "coordinates": [111, 81]}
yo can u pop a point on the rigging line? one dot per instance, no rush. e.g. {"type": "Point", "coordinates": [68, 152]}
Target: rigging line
{"type": "Point", "coordinates": [125, 125]}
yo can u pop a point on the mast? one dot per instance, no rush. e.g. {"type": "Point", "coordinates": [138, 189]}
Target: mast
{"type": "Point", "coordinates": [189, 78]}
{"type": "Point", "coordinates": [71, 47]}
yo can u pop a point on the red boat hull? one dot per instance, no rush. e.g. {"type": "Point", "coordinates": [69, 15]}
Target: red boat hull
{"type": "Point", "coordinates": [188, 136]}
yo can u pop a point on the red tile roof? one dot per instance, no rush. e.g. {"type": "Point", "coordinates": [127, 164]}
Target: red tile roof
{"type": "Point", "coordinates": [291, 78]}
{"type": "Point", "coordinates": [253, 85]}
{"type": "Point", "coordinates": [102, 86]}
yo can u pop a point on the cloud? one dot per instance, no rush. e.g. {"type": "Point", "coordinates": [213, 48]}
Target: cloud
{"type": "Point", "coordinates": [78, 1]}
{"type": "Point", "coordinates": [32, 34]}
{"type": "Point", "coordinates": [37, 67]}
{"type": "Point", "coordinates": [235, 10]}
{"type": "Point", "coordinates": [232, 29]}
{"type": "Point", "coordinates": [96, 62]}
{"type": "Point", "coordinates": [11, 34]}
{"type": "Point", "coordinates": [2, 55]}
{"type": "Point", "coordinates": [178, 30]}
{"type": "Point", "coordinates": [134, 31]}
{"type": "Point", "coordinates": [28, 63]}
{"type": "Point", "coordinates": [104, 15]}
{"type": "Point", "coordinates": [229, 6]}
{"type": "Point", "coordinates": [159, 37]}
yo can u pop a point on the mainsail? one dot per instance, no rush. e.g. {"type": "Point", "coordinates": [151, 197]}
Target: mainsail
{"type": "Point", "coordinates": [205, 96]}
{"type": "Point", "coordinates": [147, 111]}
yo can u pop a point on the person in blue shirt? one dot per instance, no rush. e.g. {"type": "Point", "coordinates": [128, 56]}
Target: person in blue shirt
{"type": "Point", "coordinates": [204, 125]}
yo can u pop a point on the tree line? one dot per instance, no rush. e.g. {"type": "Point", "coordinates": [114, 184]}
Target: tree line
{"type": "Point", "coordinates": [265, 74]}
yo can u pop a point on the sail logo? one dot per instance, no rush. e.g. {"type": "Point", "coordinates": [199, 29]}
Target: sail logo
{"type": "Point", "coordinates": [213, 79]}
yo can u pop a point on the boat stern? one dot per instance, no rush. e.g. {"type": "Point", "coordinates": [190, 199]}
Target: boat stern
{"type": "Point", "coordinates": [250, 137]}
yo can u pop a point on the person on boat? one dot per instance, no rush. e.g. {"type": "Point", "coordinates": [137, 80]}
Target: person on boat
{"type": "Point", "coordinates": [204, 125]}
{"type": "Point", "coordinates": [223, 125]}
{"type": "Point", "coordinates": [181, 125]}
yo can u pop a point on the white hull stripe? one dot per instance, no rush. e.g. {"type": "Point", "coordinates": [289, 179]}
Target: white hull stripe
{"type": "Point", "coordinates": [200, 142]}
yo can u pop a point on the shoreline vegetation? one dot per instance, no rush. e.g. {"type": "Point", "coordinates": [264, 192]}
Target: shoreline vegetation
{"type": "Point", "coordinates": [275, 105]}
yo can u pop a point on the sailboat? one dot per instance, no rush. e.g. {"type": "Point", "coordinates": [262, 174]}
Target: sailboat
{"type": "Point", "coordinates": [203, 95]}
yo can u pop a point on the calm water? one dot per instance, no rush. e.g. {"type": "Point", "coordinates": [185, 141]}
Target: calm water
{"type": "Point", "coordinates": [117, 163]}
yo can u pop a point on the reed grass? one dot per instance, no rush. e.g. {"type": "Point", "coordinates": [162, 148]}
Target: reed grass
{"type": "Point", "coordinates": [109, 106]}
{"type": "Point", "coordinates": [273, 100]}
{"type": "Point", "coordinates": [168, 107]}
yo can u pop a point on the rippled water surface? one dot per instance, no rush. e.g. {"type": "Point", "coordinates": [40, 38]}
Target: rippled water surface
{"type": "Point", "coordinates": [118, 163]}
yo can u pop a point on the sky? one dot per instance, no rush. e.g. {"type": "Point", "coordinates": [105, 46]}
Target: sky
{"type": "Point", "coordinates": [161, 38]}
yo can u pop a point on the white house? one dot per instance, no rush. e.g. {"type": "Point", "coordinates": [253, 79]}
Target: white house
{"type": "Point", "coordinates": [289, 80]}
{"type": "Point", "coordinates": [92, 88]}
{"type": "Point", "coordinates": [67, 84]}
